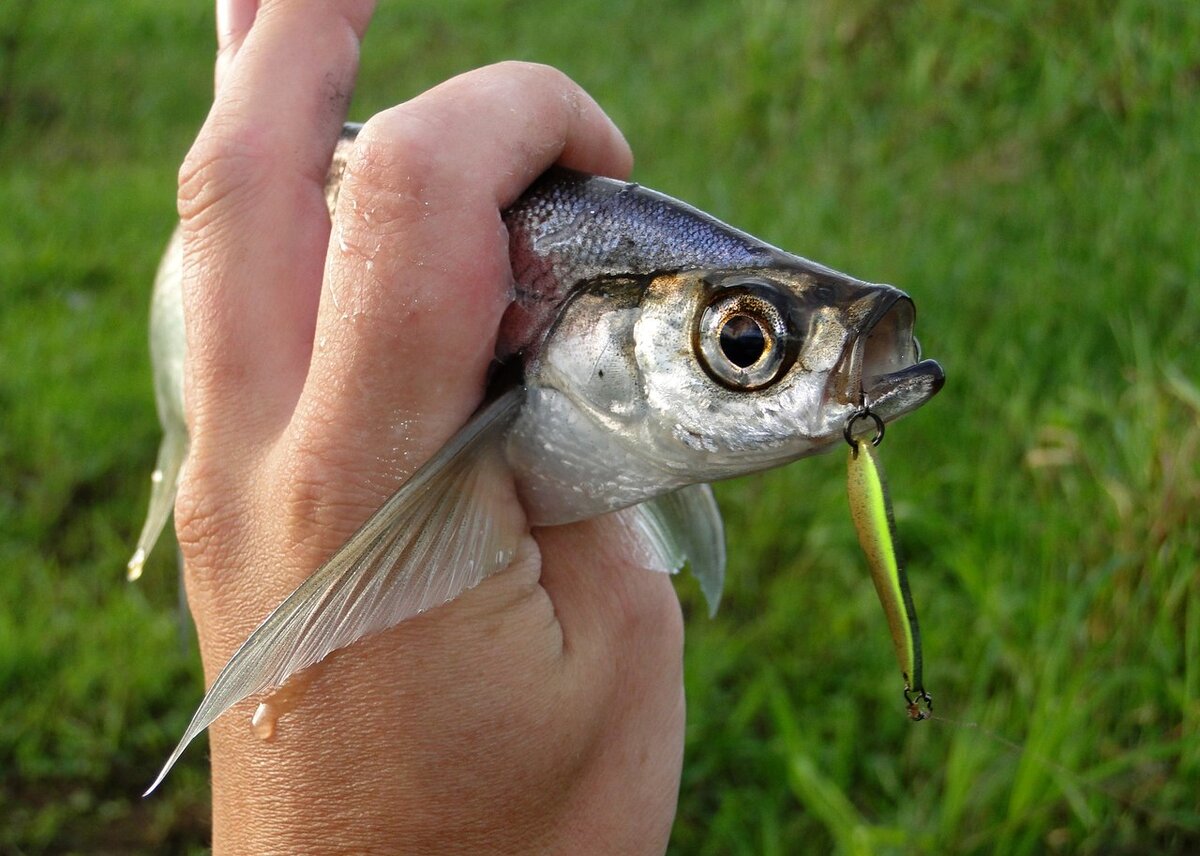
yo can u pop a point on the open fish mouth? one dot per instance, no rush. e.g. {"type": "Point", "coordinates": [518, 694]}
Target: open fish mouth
{"type": "Point", "coordinates": [882, 368]}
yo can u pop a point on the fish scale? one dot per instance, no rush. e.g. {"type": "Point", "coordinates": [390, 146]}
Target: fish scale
{"type": "Point", "coordinates": [569, 228]}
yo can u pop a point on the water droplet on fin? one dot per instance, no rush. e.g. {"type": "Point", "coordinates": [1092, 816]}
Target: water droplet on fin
{"type": "Point", "coordinates": [263, 722]}
{"type": "Point", "coordinates": [134, 569]}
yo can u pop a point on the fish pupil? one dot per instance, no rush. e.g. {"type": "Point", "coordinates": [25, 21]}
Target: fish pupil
{"type": "Point", "coordinates": [742, 341]}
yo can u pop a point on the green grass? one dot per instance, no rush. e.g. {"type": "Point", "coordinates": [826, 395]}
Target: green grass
{"type": "Point", "coordinates": [1025, 170]}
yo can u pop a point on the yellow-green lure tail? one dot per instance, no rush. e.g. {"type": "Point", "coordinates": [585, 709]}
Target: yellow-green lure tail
{"type": "Point", "coordinates": [871, 509]}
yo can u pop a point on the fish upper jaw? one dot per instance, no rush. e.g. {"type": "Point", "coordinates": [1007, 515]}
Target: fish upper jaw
{"type": "Point", "coordinates": [881, 365]}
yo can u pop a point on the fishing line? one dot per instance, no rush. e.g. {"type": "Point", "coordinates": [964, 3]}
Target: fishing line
{"type": "Point", "coordinates": [1012, 745]}
{"type": "Point", "coordinates": [1077, 779]}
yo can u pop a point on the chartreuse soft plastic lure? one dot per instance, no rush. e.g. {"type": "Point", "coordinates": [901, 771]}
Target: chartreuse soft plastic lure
{"type": "Point", "coordinates": [871, 509]}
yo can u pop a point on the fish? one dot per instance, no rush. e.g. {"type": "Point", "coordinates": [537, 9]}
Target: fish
{"type": "Point", "coordinates": [649, 350]}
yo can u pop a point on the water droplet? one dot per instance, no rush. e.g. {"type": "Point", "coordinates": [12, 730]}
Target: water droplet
{"type": "Point", "coordinates": [263, 722]}
{"type": "Point", "coordinates": [156, 477]}
{"type": "Point", "coordinates": [134, 569]}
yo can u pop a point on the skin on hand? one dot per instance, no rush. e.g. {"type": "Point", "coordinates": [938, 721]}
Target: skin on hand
{"type": "Point", "coordinates": [540, 712]}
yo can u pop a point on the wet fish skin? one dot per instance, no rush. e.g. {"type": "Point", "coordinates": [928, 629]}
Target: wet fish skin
{"type": "Point", "coordinates": [619, 407]}
{"type": "Point", "coordinates": [584, 252]}
{"type": "Point", "coordinates": [569, 228]}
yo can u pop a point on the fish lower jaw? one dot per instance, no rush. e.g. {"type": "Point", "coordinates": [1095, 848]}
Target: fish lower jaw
{"type": "Point", "coordinates": [898, 393]}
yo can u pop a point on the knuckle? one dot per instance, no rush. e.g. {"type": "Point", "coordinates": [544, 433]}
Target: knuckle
{"type": "Point", "coordinates": [397, 188]}
{"type": "Point", "coordinates": [533, 72]}
{"type": "Point", "coordinates": [559, 91]}
{"type": "Point", "coordinates": [217, 508]}
{"type": "Point", "coordinates": [394, 161]}
{"type": "Point", "coordinates": [222, 167]}
{"type": "Point", "coordinates": [325, 495]}
{"type": "Point", "coordinates": [544, 91]}
{"type": "Point", "coordinates": [207, 523]}
{"type": "Point", "coordinates": [551, 104]}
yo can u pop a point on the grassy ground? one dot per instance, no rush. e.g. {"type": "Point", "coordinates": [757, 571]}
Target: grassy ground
{"type": "Point", "coordinates": [1025, 170]}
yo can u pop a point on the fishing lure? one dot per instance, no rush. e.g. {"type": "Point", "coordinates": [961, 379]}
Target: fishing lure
{"type": "Point", "coordinates": [871, 510]}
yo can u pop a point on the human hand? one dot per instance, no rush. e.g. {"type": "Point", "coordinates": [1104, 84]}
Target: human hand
{"type": "Point", "coordinates": [542, 710]}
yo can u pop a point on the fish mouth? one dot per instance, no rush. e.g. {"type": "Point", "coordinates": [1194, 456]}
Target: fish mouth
{"type": "Point", "coordinates": [882, 367]}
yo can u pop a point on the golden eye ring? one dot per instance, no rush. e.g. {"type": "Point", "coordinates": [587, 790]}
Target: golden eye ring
{"type": "Point", "coordinates": [741, 339]}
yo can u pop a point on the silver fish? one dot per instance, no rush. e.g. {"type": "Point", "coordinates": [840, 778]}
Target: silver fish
{"type": "Point", "coordinates": [658, 350]}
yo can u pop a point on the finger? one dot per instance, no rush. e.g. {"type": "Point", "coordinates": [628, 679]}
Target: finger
{"type": "Point", "coordinates": [622, 642]}
{"type": "Point", "coordinates": [605, 599]}
{"type": "Point", "coordinates": [418, 273]}
{"type": "Point", "coordinates": [234, 18]}
{"type": "Point", "coordinates": [254, 221]}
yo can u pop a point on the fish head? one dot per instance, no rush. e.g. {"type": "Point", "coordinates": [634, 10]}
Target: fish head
{"type": "Point", "coordinates": [759, 367]}
{"type": "Point", "coordinates": [648, 384]}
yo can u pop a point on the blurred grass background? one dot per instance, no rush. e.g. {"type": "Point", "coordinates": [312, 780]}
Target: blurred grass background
{"type": "Point", "coordinates": [1027, 171]}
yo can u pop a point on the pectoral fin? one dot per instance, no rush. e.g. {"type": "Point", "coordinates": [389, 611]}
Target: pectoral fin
{"type": "Point", "coordinates": [451, 525]}
{"type": "Point", "coordinates": [684, 526]}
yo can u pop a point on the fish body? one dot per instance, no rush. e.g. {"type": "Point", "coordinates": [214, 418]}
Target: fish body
{"type": "Point", "coordinates": [659, 350]}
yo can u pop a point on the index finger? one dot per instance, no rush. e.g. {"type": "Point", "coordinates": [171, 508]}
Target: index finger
{"type": "Point", "coordinates": [252, 208]}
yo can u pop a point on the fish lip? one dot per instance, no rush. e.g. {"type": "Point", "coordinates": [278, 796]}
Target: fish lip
{"type": "Point", "coordinates": [881, 367]}
{"type": "Point", "coordinates": [897, 393]}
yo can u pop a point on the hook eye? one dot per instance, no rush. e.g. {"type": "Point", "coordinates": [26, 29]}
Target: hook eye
{"type": "Point", "coordinates": [858, 416]}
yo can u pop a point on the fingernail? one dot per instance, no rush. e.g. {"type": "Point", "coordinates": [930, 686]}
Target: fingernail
{"type": "Point", "coordinates": [234, 18]}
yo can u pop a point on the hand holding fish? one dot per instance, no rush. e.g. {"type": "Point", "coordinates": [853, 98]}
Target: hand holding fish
{"type": "Point", "coordinates": [628, 348]}
{"type": "Point", "coordinates": [543, 709]}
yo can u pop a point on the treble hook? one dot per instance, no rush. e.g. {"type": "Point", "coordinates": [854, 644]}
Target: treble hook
{"type": "Point", "coordinates": [915, 698]}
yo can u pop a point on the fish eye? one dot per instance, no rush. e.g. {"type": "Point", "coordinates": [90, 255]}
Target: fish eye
{"type": "Point", "coordinates": [742, 338]}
